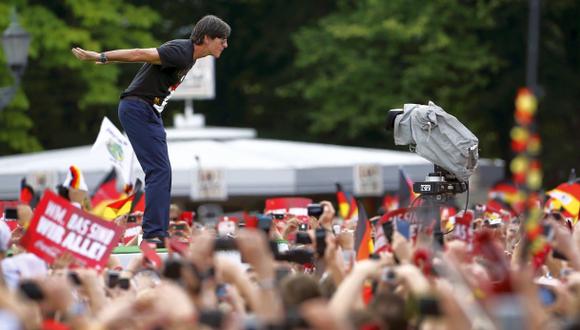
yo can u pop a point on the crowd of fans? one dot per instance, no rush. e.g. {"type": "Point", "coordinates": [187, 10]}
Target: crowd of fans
{"type": "Point", "coordinates": [291, 272]}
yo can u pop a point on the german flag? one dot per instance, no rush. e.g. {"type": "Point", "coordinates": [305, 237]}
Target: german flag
{"type": "Point", "coordinates": [568, 196]}
{"type": "Point", "coordinates": [75, 180]}
{"type": "Point", "coordinates": [26, 193]}
{"type": "Point", "coordinates": [347, 207]}
{"type": "Point", "coordinates": [507, 193]}
{"type": "Point", "coordinates": [122, 205]}
{"type": "Point", "coordinates": [363, 243]}
{"type": "Point", "coordinates": [132, 203]}
{"type": "Point", "coordinates": [107, 189]}
{"type": "Point", "coordinates": [343, 202]}
{"type": "Point", "coordinates": [353, 209]}
{"type": "Point", "coordinates": [405, 194]}
{"type": "Point", "coordinates": [497, 205]}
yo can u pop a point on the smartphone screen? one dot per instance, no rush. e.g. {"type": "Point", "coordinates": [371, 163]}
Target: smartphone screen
{"type": "Point", "coordinates": [388, 231]}
{"type": "Point", "coordinates": [336, 229]}
{"type": "Point", "coordinates": [264, 223]}
{"type": "Point", "coordinates": [320, 235]}
{"type": "Point", "coordinates": [74, 278]}
{"type": "Point", "coordinates": [315, 210]}
{"type": "Point", "coordinates": [180, 226]}
{"type": "Point", "coordinates": [124, 283]}
{"type": "Point", "coordinates": [221, 291]}
{"type": "Point", "coordinates": [31, 290]}
{"type": "Point", "coordinates": [547, 231]}
{"type": "Point", "coordinates": [278, 216]}
{"type": "Point", "coordinates": [547, 296]}
{"type": "Point", "coordinates": [429, 307]}
{"type": "Point", "coordinates": [11, 214]}
{"type": "Point", "coordinates": [211, 318]}
{"type": "Point", "coordinates": [225, 244]}
{"type": "Point", "coordinates": [112, 279]}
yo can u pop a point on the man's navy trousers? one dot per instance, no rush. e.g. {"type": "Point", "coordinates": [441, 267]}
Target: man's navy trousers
{"type": "Point", "coordinates": [145, 130]}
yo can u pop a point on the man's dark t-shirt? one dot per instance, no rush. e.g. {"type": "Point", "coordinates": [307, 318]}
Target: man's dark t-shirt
{"type": "Point", "coordinates": [155, 83]}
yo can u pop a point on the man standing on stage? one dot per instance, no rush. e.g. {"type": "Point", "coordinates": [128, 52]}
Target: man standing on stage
{"type": "Point", "coordinates": [143, 101]}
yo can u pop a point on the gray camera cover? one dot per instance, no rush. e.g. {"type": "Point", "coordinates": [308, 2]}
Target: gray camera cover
{"type": "Point", "coordinates": [438, 137]}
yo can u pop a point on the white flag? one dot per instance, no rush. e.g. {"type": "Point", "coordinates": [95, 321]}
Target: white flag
{"type": "Point", "coordinates": [115, 147]}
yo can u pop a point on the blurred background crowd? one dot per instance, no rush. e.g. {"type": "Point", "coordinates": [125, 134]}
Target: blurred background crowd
{"type": "Point", "coordinates": [305, 265]}
{"type": "Point", "coordinates": [318, 71]}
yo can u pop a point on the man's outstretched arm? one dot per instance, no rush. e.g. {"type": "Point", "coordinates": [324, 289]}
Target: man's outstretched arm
{"type": "Point", "coordinates": [144, 55]}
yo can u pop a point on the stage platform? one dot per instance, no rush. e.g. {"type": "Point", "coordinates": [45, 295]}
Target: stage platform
{"type": "Point", "coordinates": [126, 253]}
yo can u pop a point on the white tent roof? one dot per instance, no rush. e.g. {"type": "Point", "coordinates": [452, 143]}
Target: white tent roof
{"type": "Point", "coordinates": [251, 166]}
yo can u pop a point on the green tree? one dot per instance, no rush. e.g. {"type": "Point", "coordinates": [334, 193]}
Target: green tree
{"type": "Point", "coordinates": [63, 100]}
{"type": "Point", "coordinates": [558, 76]}
{"type": "Point", "coordinates": [373, 55]}
{"type": "Point", "coordinates": [467, 56]}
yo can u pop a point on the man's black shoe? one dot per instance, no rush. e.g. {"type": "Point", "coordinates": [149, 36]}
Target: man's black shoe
{"type": "Point", "coordinates": [158, 241]}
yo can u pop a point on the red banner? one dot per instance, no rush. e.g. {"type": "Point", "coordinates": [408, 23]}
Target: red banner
{"type": "Point", "coordinates": [463, 229]}
{"type": "Point", "coordinates": [292, 205]}
{"type": "Point", "coordinates": [132, 230]}
{"type": "Point", "coordinates": [58, 227]}
{"type": "Point", "coordinates": [150, 254]}
{"type": "Point", "coordinates": [404, 221]}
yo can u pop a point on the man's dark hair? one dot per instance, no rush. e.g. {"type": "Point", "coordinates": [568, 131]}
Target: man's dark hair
{"type": "Point", "coordinates": [210, 26]}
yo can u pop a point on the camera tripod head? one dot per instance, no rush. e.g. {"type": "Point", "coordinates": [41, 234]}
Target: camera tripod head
{"type": "Point", "coordinates": [440, 182]}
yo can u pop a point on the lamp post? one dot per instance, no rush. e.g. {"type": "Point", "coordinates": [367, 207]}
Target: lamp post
{"type": "Point", "coordinates": [15, 41]}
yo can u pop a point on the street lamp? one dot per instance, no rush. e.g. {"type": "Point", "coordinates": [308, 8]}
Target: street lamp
{"type": "Point", "coordinates": [15, 41]}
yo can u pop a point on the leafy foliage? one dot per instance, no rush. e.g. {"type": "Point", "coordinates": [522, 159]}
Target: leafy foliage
{"type": "Point", "coordinates": [373, 55]}
{"type": "Point", "coordinates": [467, 56]}
{"type": "Point", "coordinates": [60, 93]}
{"type": "Point", "coordinates": [321, 70]}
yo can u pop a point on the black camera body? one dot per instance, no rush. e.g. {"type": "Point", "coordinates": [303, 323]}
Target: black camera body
{"type": "Point", "coordinates": [11, 213]}
{"type": "Point", "coordinates": [320, 236]}
{"type": "Point", "coordinates": [440, 182]}
{"type": "Point", "coordinates": [225, 244]}
{"type": "Point", "coordinates": [315, 210]}
{"type": "Point", "coordinates": [438, 188]}
{"type": "Point", "coordinates": [74, 278]}
{"type": "Point", "coordinates": [31, 290]}
{"type": "Point", "coordinates": [299, 256]}
{"type": "Point", "coordinates": [303, 237]}
{"type": "Point", "coordinates": [278, 216]}
{"type": "Point", "coordinates": [112, 278]}
{"type": "Point", "coordinates": [124, 283]}
{"type": "Point", "coordinates": [62, 191]}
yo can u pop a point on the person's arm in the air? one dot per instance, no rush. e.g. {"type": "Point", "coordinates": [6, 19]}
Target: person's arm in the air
{"type": "Point", "coordinates": [144, 55]}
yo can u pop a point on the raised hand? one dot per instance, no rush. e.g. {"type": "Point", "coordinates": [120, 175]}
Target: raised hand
{"type": "Point", "coordinates": [327, 216]}
{"type": "Point", "coordinates": [86, 55]}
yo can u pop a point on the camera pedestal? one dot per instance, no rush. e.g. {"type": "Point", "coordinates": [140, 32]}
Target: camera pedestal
{"type": "Point", "coordinates": [438, 188]}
